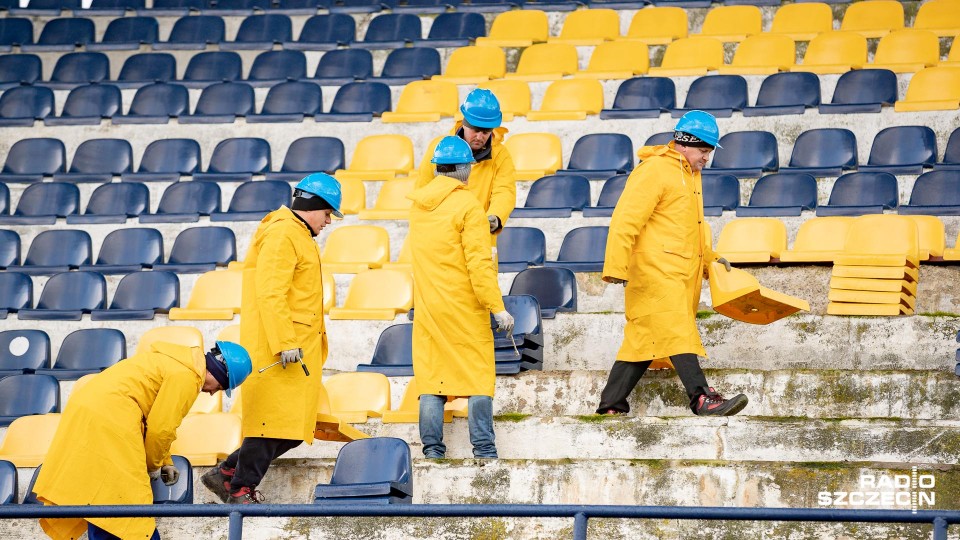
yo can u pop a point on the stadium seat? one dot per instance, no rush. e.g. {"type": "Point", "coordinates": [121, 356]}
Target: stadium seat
{"type": "Point", "coordinates": [355, 397]}
{"type": "Point", "coordinates": [582, 249]}
{"type": "Point", "coordinates": [271, 68]}
{"type": "Point", "coordinates": [657, 25]}
{"type": "Point", "coordinates": [173, 8]}
{"type": "Point", "coordinates": [474, 64]}
{"type": "Point", "coordinates": [194, 33]}
{"type": "Point", "coordinates": [600, 155]}
{"type": "Point", "coordinates": [616, 60]}
{"type": "Point", "coordinates": [732, 23]}
{"type": "Point", "coordinates": [514, 96]}
{"type": "Point", "coordinates": [221, 103]}
{"type": "Point", "coordinates": [98, 160]}
{"type": "Point", "coordinates": [9, 248]}
{"type": "Point", "coordinates": [113, 8]}
{"type": "Point", "coordinates": [642, 97]}
{"type": "Point", "coordinates": [28, 438]}
{"type": "Point", "coordinates": [802, 21]}
{"type": "Point", "coordinates": [181, 492]}
{"type": "Point", "coordinates": [520, 28]}
{"type": "Point", "coordinates": [85, 351]}
{"type": "Point", "coordinates": [752, 240]}
{"type": "Point", "coordinates": [745, 154]}
{"type": "Point", "coordinates": [310, 154]}
{"type": "Point", "coordinates": [391, 31]}
{"type": "Point", "coordinates": [410, 64]}
{"type": "Point", "coordinates": [528, 327]}
{"type": "Point", "coordinates": [546, 62]}
{"type": "Point", "coordinates": [260, 32]}
{"type": "Point", "coordinates": [392, 201]}
{"type": "Point", "coordinates": [127, 34]}
{"type": "Point", "coordinates": [938, 16]}
{"type": "Point", "coordinates": [535, 154]}
{"type": "Point", "coordinates": [554, 288]}
{"type": "Point", "coordinates": [951, 156]}
{"type": "Point", "coordinates": [355, 248]}
{"type": "Point", "coordinates": [23, 105]}
{"type": "Point", "coordinates": [17, 69]}
{"type": "Point", "coordinates": [380, 157]}
{"type": "Point", "coordinates": [907, 51]}
{"type": "Point", "coordinates": [187, 336]}
{"type": "Point", "coordinates": [145, 68]}
{"type": "Point", "coordinates": [48, 8]}
{"type": "Point", "coordinates": [156, 104]}
{"type": "Point", "coordinates": [819, 240]}
{"type": "Point", "coordinates": [424, 101]}
{"type": "Point", "coordinates": [520, 247]}
{"type": "Point", "coordinates": [54, 251]}
{"type": "Point", "coordinates": [24, 395]}
{"type": "Point", "coordinates": [489, 6]}
{"type": "Point", "coordinates": [201, 249]}
{"type": "Point", "coordinates": [15, 31]}
{"type": "Point", "coordinates": [589, 27]}
{"type": "Point", "coordinates": [376, 295]}
{"type": "Point", "coordinates": [373, 471]}
{"type": "Point", "coordinates": [423, 6]}
{"type": "Point", "coordinates": [128, 250]}
{"type": "Point", "coordinates": [935, 193]}
{"type": "Point", "coordinates": [930, 237]}
{"type": "Point", "coordinates": [79, 68]}
{"type": "Point", "coordinates": [9, 491]}
{"type": "Point", "coordinates": [236, 7]}
{"type": "Point", "coordinates": [254, 200]}
{"type": "Point", "coordinates": [28, 160]}
{"type": "Point", "coordinates": [862, 91]}
{"type": "Point", "coordinates": [834, 52]}
{"type": "Point", "coordinates": [873, 18]}
{"type": "Point", "coordinates": [325, 32]}
{"type": "Point", "coordinates": [140, 296]}
{"type": "Point", "coordinates": [823, 152]}
{"type": "Point", "coordinates": [392, 355]}
{"type": "Point", "coordinates": [289, 101]}
{"type": "Point", "coordinates": [215, 296]}
{"type": "Point", "coordinates": [781, 194]}
{"type": "Point", "coordinates": [786, 93]}
{"type": "Point", "coordinates": [719, 95]}
{"type": "Point", "coordinates": [210, 67]}
{"type": "Point", "coordinates": [4, 201]}
{"type": "Point", "coordinates": [692, 56]}
{"type": "Point", "coordinates": [409, 410]}
{"type": "Point", "coordinates": [456, 29]}
{"type": "Point", "coordinates": [185, 202]}
{"type": "Point", "coordinates": [555, 196]}
{"type": "Point", "coordinates": [953, 58]}
{"type": "Point", "coordinates": [23, 351]}
{"type": "Point", "coordinates": [762, 54]}
{"type": "Point", "coordinates": [721, 192]}
{"type": "Point", "coordinates": [609, 195]}
{"type": "Point", "coordinates": [67, 296]}
{"type": "Point", "coordinates": [932, 89]}
{"type": "Point", "coordinates": [902, 150]}
{"type": "Point", "coordinates": [42, 204]}
{"type": "Point", "coordinates": [207, 439]}
{"type": "Point", "coordinates": [358, 102]}
{"type": "Point", "coordinates": [165, 160]}
{"type": "Point", "coordinates": [16, 293]}
{"type": "Point", "coordinates": [87, 105]}
{"type": "Point", "coordinates": [571, 99]}
{"type": "Point", "coordinates": [237, 160]}
{"type": "Point", "coordinates": [62, 35]}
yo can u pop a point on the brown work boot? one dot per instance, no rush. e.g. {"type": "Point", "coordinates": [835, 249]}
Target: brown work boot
{"type": "Point", "coordinates": [245, 495]}
{"type": "Point", "coordinates": [217, 480]}
{"type": "Point", "coordinates": [711, 403]}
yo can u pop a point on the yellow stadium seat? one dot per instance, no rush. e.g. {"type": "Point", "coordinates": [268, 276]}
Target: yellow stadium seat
{"type": "Point", "coordinates": [380, 157]}
{"type": "Point", "coordinates": [409, 410]}
{"type": "Point", "coordinates": [949, 254]}
{"type": "Point", "coordinates": [834, 52]}
{"type": "Point", "coordinates": [404, 262]}
{"type": "Point", "coordinates": [953, 59]}
{"type": "Point", "coordinates": [376, 295]}
{"type": "Point", "coordinates": [354, 196]}
{"type": "Point", "coordinates": [571, 99]}
{"type": "Point", "coordinates": [229, 333]}
{"type": "Point", "coordinates": [931, 237]}
{"type": "Point", "coordinates": [207, 439]}
{"type": "Point", "coordinates": [868, 310]}
{"type": "Point", "coordinates": [330, 427]}
{"type": "Point", "coordinates": [546, 62]}
{"type": "Point", "coordinates": [873, 285]}
{"type": "Point", "coordinates": [28, 439]}
{"type": "Point", "coordinates": [907, 51]}
{"type": "Point", "coordinates": [881, 240]}
{"type": "Point", "coordinates": [535, 154]}
{"type": "Point", "coordinates": [616, 60]}
{"type": "Point", "coordinates": [873, 18]}
{"type": "Point", "coordinates": [752, 240]}
{"type": "Point", "coordinates": [424, 101]}
{"type": "Point", "coordinates": [689, 57]}
{"type": "Point", "coordinates": [355, 248]}
{"type": "Point", "coordinates": [589, 27]}
{"type": "Point", "coordinates": [355, 397]}
{"type": "Point", "coordinates": [206, 404]}
{"type": "Point", "coordinates": [877, 272]}
{"type": "Point", "coordinates": [739, 295]}
{"type": "Point", "coordinates": [942, 17]}
{"type": "Point", "coordinates": [517, 29]}
{"type": "Point", "coordinates": [474, 64]}
{"type": "Point", "coordinates": [181, 335]}
{"type": "Point", "coordinates": [932, 89]}
{"type": "Point", "coordinates": [732, 23]}
{"type": "Point", "coordinates": [215, 297]}
{"type": "Point", "coordinates": [762, 54]}
{"type": "Point", "coordinates": [657, 25]}
{"type": "Point", "coordinates": [514, 97]}
{"type": "Point", "coordinates": [329, 293]}
{"type": "Point", "coordinates": [802, 21]}
{"type": "Point", "coordinates": [819, 239]}
{"type": "Point", "coordinates": [392, 201]}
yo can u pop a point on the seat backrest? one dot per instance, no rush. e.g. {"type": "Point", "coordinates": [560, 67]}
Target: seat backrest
{"type": "Point", "coordinates": [937, 14]}
{"type": "Point", "coordinates": [20, 349]}
{"type": "Point", "coordinates": [198, 29]}
{"type": "Point", "coordinates": [378, 459]}
{"type": "Point", "coordinates": [840, 48]}
{"type": "Point", "coordinates": [934, 83]}
{"type": "Point", "coordinates": [514, 96]}
{"type": "Point", "coordinates": [646, 93]}
{"type": "Point", "coordinates": [129, 198]}
{"type": "Point", "coordinates": [611, 190]}
{"type": "Point", "coordinates": [345, 63]}
{"type": "Point", "coordinates": [865, 189]}
{"type": "Point", "coordinates": [591, 24]}
{"type": "Point", "coordinates": [721, 190]}
{"type": "Point", "coordinates": [226, 98]}
{"type": "Point", "coordinates": [952, 153]}
{"type": "Point", "coordinates": [270, 28]}
{"type": "Point", "coordinates": [74, 291]}
{"type": "Point", "coordinates": [552, 287]}
{"type": "Point", "coordinates": [4, 208]}
{"type": "Point", "coordinates": [601, 151]}
{"type": "Point", "coordinates": [866, 86]}
{"type": "Point", "coordinates": [214, 66]}
{"type": "Point", "coordinates": [795, 88]}
{"type": "Point", "coordinates": [147, 290]}
{"type": "Point", "coordinates": [16, 291]}
{"type": "Point", "coordinates": [81, 67]}
{"type": "Point", "coordinates": [423, 62]}
{"type": "Point", "coordinates": [9, 248]}
{"type": "Point", "coordinates": [747, 149]}
{"type": "Point", "coordinates": [931, 237]}
{"type": "Point", "coordinates": [36, 156]}
{"type": "Point", "coordinates": [908, 45]}
{"type": "Point", "coordinates": [458, 26]}
{"type": "Point", "coordinates": [476, 60]}
{"type": "Point", "coordinates": [260, 196]}
{"type": "Point", "coordinates": [171, 155]}
{"type": "Point", "coordinates": [548, 58]}
{"type": "Point", "coordinates": [380, 288]}
{"type": "Point", "coordinates": [904, 145]}
{"type": "Point", "coordinates": [937, 188]}
{"type": "Point", "coordinates": [394, 346]}
{"type": "Point", "coordinates": [629, 56]}
{"type": "Point", "coordinates": [331, 28]}
{"type": "Point", "coordinates": [529, 24]}
{"type": "Point", "coordinates": [181, 335]}
{"type": "Point", "coordinates": [753, 234]}
{"type": "Point", "coordinates": [526, 313]}
{"type": "Point", "coordinates": [358, 391]}
{"type": "Point", "coordinates": [785, 189]}
{"type": "Point", "coordinates": [574, 95]}
{"type": "Point", "coordinates": [217, 290]}
{"type": "Point", "coordinates": [26, 102]}
{"type": "Point", "coordinates": [535, 151]}
{"type": "Point", "coordinates": [393, 195]}
{"type": "Point", "coordinates": [132, 246]}
{"type": "Point", "coordinates": [429, 97]}
{"type": "Point", "coordinates": [132, 29]}
{"type": "Point", "coordinates": [180, 492]}
{"type": "Point", "coordinates": [101, 100]}
{"type": "Point", "coordinates": [22, 395]}
{"type": "Point", "coordinates": [30, 436]}
{"type": "Point", "coordinates": [883, 234]}
{"type": "Point", "coordinates": [54, 199]}
{"type": "Point", "coordinates": [804, 18]}
{"type": "Point", "coordinates": [394, 27]}
{"type": "Point", "coordinates": [825, 147]}
{"type": "Point", "coordinates": [16, 31]}
{"type": "Point", "coordinates": [20, 68]}
{"type": "Point", "coordinates": [559, 191]}
{"type": "Point", "coordinates": [67, 31]}
{"type": "Point", "coordinates": [584, 244]}
{"type": "Point", "coordinates": [241, 155]}
{"type": "Point", "coordinates": [521, 244]}
{"type": "Point", "coordinates": [279, 65]}
{"type": "Point", "coordinates": [207, 436]}
{"type": "Point", "coordinates": [873, 15]}
{"type": "Point", "coordinates": [160, 99]}
{"type": "Point", "coordinates": [717, 92]}
{"type": "Point", "coordinates": [383, 152]}
{"type": "Point", "coordinates": [362, 97]}
{"type": "Point", "coordinates": [726, 20]}
{"type": "Point", "coordinates": [825, 233]}
{"type": "Point", "coordinates": [92, 348]}
{"type": "Point", "coordinates": [204, 245]}
{"type": "Point", "coordinates": [60, 247]}
{"type": "Point", "coordinates": [113, 156]}
{"type": "Point", "coordinates": [693, 52]}
{"type": "Point", "coordinates": [190, 197]}
{"type": "Point", "coordinates": [310, 154]}
{"type": "Point", "coordinates": [8, 483]}
{"type": "Point", "coordinates": [149, 67]}
{"type": "Point", "coordinates": [668, 22]}
{"type": "Point", "coordinates": [357, 244]}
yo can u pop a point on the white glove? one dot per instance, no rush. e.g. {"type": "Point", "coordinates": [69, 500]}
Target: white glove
{"type": "Point", "coordinates": [170, 475]}
{"type": "Point", "coordinates": [725, 263]}
{"type": "Point", "coordinates": [494, 223]}
{"type": "Point", "coordinates": [504, 322]}
{"type": "Point", "coordinates": [154, 475]}
{"type": "Point", "coordinates": [290, 356]}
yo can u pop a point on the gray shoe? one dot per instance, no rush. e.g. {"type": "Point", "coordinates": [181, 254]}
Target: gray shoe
{"type": "Point", "coordinates": [217, 480]}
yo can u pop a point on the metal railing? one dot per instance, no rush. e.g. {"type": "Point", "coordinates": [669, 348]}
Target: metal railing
{"type": "Point", "coordinates": [579, 513]}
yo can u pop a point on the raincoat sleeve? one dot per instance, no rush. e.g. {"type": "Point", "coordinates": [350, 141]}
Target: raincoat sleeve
{"type": "Point", "coordinates": [478, 254]}
{"type": "Point", "coordinates": [503, 195]}
{"type": "Point", "coordinates": [637, 203]}
{"type": "Point", "coordinates": [275, 267]}
{"type": "Point", "coordinates": [173, 402]}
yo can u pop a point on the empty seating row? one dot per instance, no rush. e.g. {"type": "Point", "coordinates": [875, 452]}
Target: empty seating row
{"type": "Point", "coordinates": [84, 351]}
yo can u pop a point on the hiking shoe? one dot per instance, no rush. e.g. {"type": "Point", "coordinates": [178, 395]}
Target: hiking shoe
{"type": "Point", "coordinates": [711, 403]}
{"type": "Point", "coordinates": [217, 480]}
{"type": "Point", "coordinates": [245, 495]}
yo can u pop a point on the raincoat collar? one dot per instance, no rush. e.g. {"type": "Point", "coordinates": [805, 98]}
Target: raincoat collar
{"type": "Point", "coordinates": [487, 151]}
{"type": "Point", "coordinates": [284, 213]}
{"type": "Point", "coordinates": [190, 357]}
{"type": "Point", "coordinates": [664, 150]}
{"type": "Point", "coordinates": [431, 195]}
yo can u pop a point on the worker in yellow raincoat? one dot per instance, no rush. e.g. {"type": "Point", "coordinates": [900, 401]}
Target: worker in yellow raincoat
{"type": "Point", "coordinates": [456, 292]}
{"type": "Point", "coordinates": [657, 248]}
{"type": "Point", "coordinates": [281, 323]}
{"type": "Point", "coordinates": [493, 177]}
{"type": "Point", "coordinates": [115, 434]}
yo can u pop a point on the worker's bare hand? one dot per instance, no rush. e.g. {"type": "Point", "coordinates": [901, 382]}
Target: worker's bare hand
{"type": "Point", "coordinates": [290, 356]}
{"type": "Point", "coordinates": [169, 474]}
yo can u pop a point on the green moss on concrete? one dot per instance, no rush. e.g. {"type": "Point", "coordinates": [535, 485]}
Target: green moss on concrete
{"type": "Point", "coordinates": [597, 418]}
{"type": "Point", "coordinates": [938, 314]}
{"type": "Point", "coordinates": [705, 314]}
{"type": "Point", "coordinates": [511, 417]}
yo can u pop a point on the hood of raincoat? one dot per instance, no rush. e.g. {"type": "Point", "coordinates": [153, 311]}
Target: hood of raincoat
{"type": "Point", "coordinates": [665, 150]}
{"type": "Point", "coordinates": [190, 357]}
{"type": "Point", "coordinates": [431, 195]}
{"type": "Point", "coordinates": [281, 214]}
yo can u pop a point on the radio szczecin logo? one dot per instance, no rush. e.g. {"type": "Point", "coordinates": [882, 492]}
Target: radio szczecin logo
{"type": "Point", "coordinates": [912, 491]}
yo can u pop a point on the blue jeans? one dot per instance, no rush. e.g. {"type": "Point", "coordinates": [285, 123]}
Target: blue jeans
{"type": "Point", "coordinates": [479, 421]}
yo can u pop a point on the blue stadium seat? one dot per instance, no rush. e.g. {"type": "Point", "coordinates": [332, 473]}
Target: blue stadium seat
{"type": "Point", "coordinates": [273, 67]}
{"type": "Point", "coordinates": [23, 105]}
{"type": "Point", "coordinates": [391, 31]}
{"type": "Point", "coordinates": [166, 160]}
{"type": "Point", "coordinates": [185, 202]}
{"type": "Point", "coordinates": [111, 8]}
{"type": "Point", "coordinates": [221, 103]}
{"type": "Point", "coordinates": [325, 32]}
{"type": "Point", "coordinates": [4, 200]}
{"type": "Point", "coordinates": [211, 67]}
{"type": "Point", "coordinates": [42, 204]}
{"type": "Point", "coordinates": [393, 354]}
{"type": "Point", "coordinates": [31, 497]}
{"type": "Point", "coordinates": [145, 68]}
{"type": "Point", "coordinates": [64, 35]}
{"type": "Point", "coordinates": [951, 156]}
{"type": "Point", "coordinates": [609, 195]}
{"type": "Point", "coordinates": [98, 160]}
{"type": "Point", "coordinates": [659, 138]}
{"type": "Point", "coordinates": [23, 395]}
{"type": "Point", "coordinates": [78, 68]}
{"type": "Point", "coordinates": [236, 7]}
{"type": "Point", "coordinates": [260, 32]}
{"type": "Point", "coordinates": [862, 91]}
{"type": "Point", "coordinates": [902, 150]}
{"type": "Point", "coordinates": [489, 6]}
{"type": "Point", "coordinates": [127, 34]}
{"type": "Point", "coordinates": [85, 351]}
{"type": "Point", "coordinates": [378, 470]}
{"type": "Point", "coordinates": [745, 154]}
{"type": "Point", "coordinates": [156, 104]}
{"type": "Point", "coordinates": [344, 66]}
{"type": "Point", "coordinates": [173, 7]}
{"type": "Point", "coordinates": [356, 6]}
{"type": "Point", "coordinates": [128, 250]}
{"type": "Point", "coordinates": [600, 155]}
{"type": "Point", "coordinates": [289, 101]}
{"type": "Point", "coordinates": [719, 95]}
{"type": "Point", "coordinates": [67, 296]}
{"type": "Point", "coordinates": [528, 325]}
{"type": "Point", "coordinates": [30, 159]}
{"type": "Point", "coordinates": [9, 248]}
{"type": "Point", "coordinates": [201, 249]}
{"type": "Point", "coordinates": [553, 5]}
{"type": "Point", "coordinates": [554, 288]}
{"type": "Point", "coordinates": [455, 30]}
{"type": "Point", "coordinates": [425, 6]}
{"type": "Point", "coordinates": [935, 193]}
{"type": "Point", "coordinates": [47, 8]}
{"type": "Point", "coordinates": [114, 203]}
{"type": "Point", "coordinates": [23, 351]}
{"type": "Point", "coordinates": [17, 69]}
{"type": "Point", "coordinates": [87, 105]}
{"type": "Point", "coordinates": [520, 247]}
{"type": "Point", "coordinates": [824, 152]}
{"type": "Point", "coordinates": [786, 93]}
{"type": "Point", "coordinates": [358, 102]}
{"type": "Point", "coordinates": [193, 33]}
{"type": "Point", "coordinates": [642, 97]}
{"type": "Point", "coordinates": [300, 7]}
{"type": "Point", "coordinates": [310, 154]}
{"type": "Point", "coordinates": [721, 192]}
{"type": "Point", "coordinates": [582, 249]}
{"type": "Point", "coordinates": [9, 491]}
{"type": "Point", "coordinates": [54, 251]}
{"type": "Point", "coordinates": [179, 493]}
{"type": "Point", "coordinates": [15, 31]}
{"type": "Point", "coordinates": [410, 64]}
{"type": "Point", "coordinates": [140, 296]}
{"type": "Point", "coordinates": [253, 200]}
{"type": "Point", "coordinates": [859, 193]}
{"type": "Point", "coordinates": [555, 196]}
{"type": "Point", "coordinates": [237, 160]}
{"type": "Point", "coordinates": [781, 194]}
{"type": "Point", "coordinates": [16, 293]}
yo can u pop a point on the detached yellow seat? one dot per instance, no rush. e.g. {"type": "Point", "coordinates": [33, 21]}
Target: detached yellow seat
{"type": "Point", "coordinates": [207, 439]}
{"type": "Point", "coordinates": [942, 17]}
{"type": "Point", "coordinates": [762, 54]}
{"type": "Point", "coordinates": [535, 154]}
{"type": "Point", "coordinates": [881, 240]}
{"type": "Point", "coordinates": [907, 51]}
{"type": "Point", "coordinates": [689, 57]}
{"type": "Point", "coordinates": [181, 335]}
{"type": "Point", "coordinates": [873, 18]}
{"type": "Point", "coordinates": [380, 157]}
{"type": "Point", "coordinates": [657, 25]}
{"type": "Point", "coordinates": [740, 296]}
{"type": "Point", "coordinates": [354, 195]}
{"type": "Point", "coordinates": [28, 439]}
{"type": "Point", "coordinates": [931, 237]}
{"type": "Point", "coordinates": [752, 240]}
{"type": "Point", "coordinates": [355, 397]}
{"type": "Point", "coordinates": [392, 201]}
{"type": "Point", "coordinates": [474, 64]}
{"type": "Point", "coordinates": [355, 248]}
{"type": "Point", "coordinates": [834, 52]}
{"type": "Point", "coordinates": [207, 404]}
{"type": "Point", "coordinates": [953, 254]}
{"type": "Point", "coordinates": [514, 97]}
{"type": "Point", "coordinates": [215, 297]}
{"type": "Point", "coordinates": [616, 60]}
{"type": "Point", "coordinates": [329, 426]}
{"type": "Point", "coordinates": [732, 23]}
{"type": "Point", "coordinates": [229, 333]}
{"type": "Point", "coordinates": [424, 101]}
{"type": "Point", "coordinates": [819, 240]}
{"type": "Point", "coordinates": [546, 62]}
{"type": "Point", "coordinates": [932, 89]}
{"type": "Point", "coordinates": [377, 295]}
{"type": "Point", "coordinates": [520, 28]}
{"type": "Point", "coordinates": [571, 99]}
{"type": "Point", "coordinates": [589, 27]}
{"type": "Point", "coordinates": [409, 410]}
{"type": "Point", "coordinates": [802, 21]}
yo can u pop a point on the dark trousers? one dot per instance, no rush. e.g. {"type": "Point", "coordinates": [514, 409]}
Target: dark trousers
{"type": "Point", "coordinates": [96, 533]}
{"type": "Point", "coordinates": [253, 458]}
{"type": "Point", "coordinates": [625, 375]}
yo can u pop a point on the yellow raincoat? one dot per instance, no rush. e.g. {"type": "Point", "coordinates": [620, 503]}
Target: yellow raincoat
{"type": "Point", "coordinates": [281, 309]}
{"type": "Point", "coordinates": [657, 242]}
{"type": "Point", "coordinates": [456, 291]}
{"type": "Point", "coordinates": [114, 430]}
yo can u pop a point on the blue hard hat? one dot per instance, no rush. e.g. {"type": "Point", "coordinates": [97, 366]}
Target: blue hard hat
{"type": "Point", "coordinates": [321, 185]}
{"type": "Point", "coordinates": [701, 125]}
{"type": "Point", "coordinates": [238, 363]}
{"type": "Point", "coordinates": [481, 109]}
{"type": "Point", "coordinates": [452, 150]}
